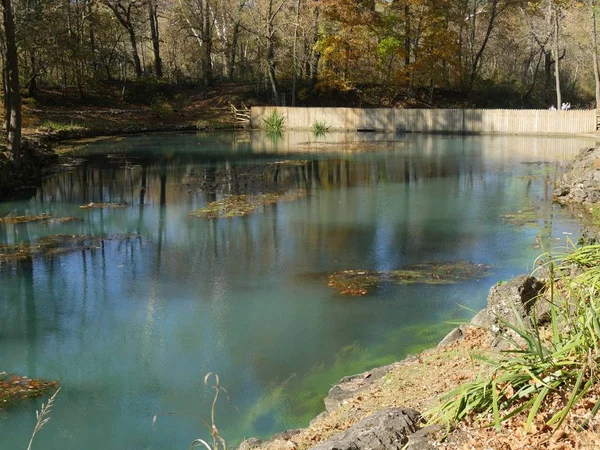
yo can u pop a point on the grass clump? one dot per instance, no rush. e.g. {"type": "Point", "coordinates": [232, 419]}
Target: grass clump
{"type": "Point", "coordinates": [274, 123]}
{"type": "Point", "coordinates": [53, 125]}
{"type": "Point", "coordinates": [549, 369]}
{"type": "Point", "coordinates": [320, 127]}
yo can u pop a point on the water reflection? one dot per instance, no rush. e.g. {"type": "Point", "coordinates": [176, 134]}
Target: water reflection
{"type": "Point", "coordinates": [131, 325]}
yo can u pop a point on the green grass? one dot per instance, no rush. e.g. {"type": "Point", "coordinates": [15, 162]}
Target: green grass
{"type": "Point", "coordinates": [60, 126]}
{"type": "Point", "coordinates": [274, 123]}
{"type": "Point", "coordinates": [523, 378]}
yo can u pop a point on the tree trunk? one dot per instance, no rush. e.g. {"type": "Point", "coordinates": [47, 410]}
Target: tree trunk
{"type": "Point", "coordinates": [207, 70]}
{"type": "Point", "coordinates": [406, 35]}
{"type": "Point", "coordinates": [488, 33]}
{"type": "Point", "coordinates": [92, 39]}
{"type": "Point", "coordinates": [13, 86]}
{"type": "Point", "coordinates": [134, 53]}
{"type": "Point", "coordinates": [295, 55]}
{"type": "Point", "coordinates": [233, 51]}
{"type": "Point", "coordinates": [270, 56]}
{"type": "Point", "coordinates": [315, 54]}
{"type": "Point", "coordinates": [595, 53]}
{"type": "Point", "coordinates": [154, 32]}
{"type": "Point", "coordinates": [557, 57]}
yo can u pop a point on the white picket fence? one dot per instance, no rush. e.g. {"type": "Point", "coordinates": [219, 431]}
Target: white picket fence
{"type": "Point", "coordinates": [509, 121]}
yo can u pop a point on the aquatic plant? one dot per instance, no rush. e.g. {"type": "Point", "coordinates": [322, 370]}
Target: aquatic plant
{"type": "Point", "coordinates": [320, 127]}
{"type": "Point", "coordinates": [274, 122]}
{"type": "Point", "coordinates": [14, 388]}
{"type": "Point", "coordinates": [361, 282]}
{"type": "Point", "coordinates": [42, 417]}
{"type": "Point", "coordinates": [552, 369]}
{"type": "Point", "coordinates": [243, 205]}
{"type": "Point", "coordinates": [93, 205]}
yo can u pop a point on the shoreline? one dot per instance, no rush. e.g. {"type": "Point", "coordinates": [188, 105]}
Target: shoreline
{"type": "Point", "coordinates": [483, 334]}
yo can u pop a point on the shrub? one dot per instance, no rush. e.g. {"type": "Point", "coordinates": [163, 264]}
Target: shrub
{"type": "Point", "coordinates": [161, 107]}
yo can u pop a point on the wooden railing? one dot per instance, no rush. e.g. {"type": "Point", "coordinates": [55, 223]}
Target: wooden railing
{"type": "Point", "coordinates": [241, 115]}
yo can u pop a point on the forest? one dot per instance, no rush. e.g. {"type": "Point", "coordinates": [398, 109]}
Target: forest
{"type": "Point", "coordinates": [512, 53]}
{"type": "Point", "coordinates": [400, 53]}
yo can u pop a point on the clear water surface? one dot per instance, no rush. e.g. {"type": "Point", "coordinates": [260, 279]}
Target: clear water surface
{"type": "Point", "coordinates": [131, 327]}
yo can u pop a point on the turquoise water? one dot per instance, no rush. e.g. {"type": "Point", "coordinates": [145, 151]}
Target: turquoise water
{"type": "Point", "coordinates": [131, 326]}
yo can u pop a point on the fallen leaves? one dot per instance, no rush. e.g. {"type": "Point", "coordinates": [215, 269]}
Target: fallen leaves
{"type": "Point", "coordinates": [243, 205]}
{"type": "Point", "coordinates": [15, 388]}
{"type": "Point", "coordinates": [361, 282]}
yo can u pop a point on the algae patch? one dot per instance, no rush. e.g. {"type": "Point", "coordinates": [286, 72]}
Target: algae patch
{"type": "Point", "coordinates": [14, 388]}
{"type": "Point", "coordinates": [361, 282]}
{"type": "Point", "coordinates": [52, 245]}
{"type": "Point", "coordinates": [93, 205]}
{"type": "Point", "coordinates": [244, 205]}
{"type": "Point", "coordinates": [528, 216]}
{"type": "Point", "coordinates": [46, 218]}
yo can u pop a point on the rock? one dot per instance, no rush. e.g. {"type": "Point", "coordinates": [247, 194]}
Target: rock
{"type": "Point", "coordinates": [452, 337]}
{"type": "Point", "coordinates": [481, 319]}
{"type": "Point", "coordinates": [511, 302]}
{"type": "Point", "coordinates": [251, 444]}
{"type": "Point", "coordinates": [286, 435]}
{"type": "Point", "coordinates": [348, 387]}
{"type": "Point", "coordinates": [388, 429]}
{"type": "Point", "coordinates": [581, 183]}
{"type": "Point", "coordinates": [424, 439]}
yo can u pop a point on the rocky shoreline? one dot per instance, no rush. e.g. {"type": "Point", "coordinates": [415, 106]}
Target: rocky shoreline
{"type": "Point", "coordinates": [342, 426]}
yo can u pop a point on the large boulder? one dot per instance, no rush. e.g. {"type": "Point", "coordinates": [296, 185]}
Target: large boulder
{"type": "Point", "coordinates": [581, 183]}
{"type": "Point", "coordinates": [385, 430]}
{"type": "Point", "coordinates": [512, 303]}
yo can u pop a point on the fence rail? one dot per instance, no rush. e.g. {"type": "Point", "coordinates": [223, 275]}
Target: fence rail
{"type": "Point", "coordinates": [510, 121]}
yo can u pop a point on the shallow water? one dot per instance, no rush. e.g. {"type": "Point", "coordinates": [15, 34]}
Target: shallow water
{"type": "Point", "coordinates": [131, 327]}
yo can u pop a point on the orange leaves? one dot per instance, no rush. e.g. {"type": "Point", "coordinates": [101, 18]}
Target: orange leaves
{"type": "Point", "coordinates": [14, 388]}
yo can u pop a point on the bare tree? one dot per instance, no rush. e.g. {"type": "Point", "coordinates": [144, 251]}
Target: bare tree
{"type": "Point", "coordinates": [125, 11]}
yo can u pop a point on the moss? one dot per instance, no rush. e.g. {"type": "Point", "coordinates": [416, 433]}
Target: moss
{"type": "Point", "coordinates": [244, 205]}
{"type": "Point", "coordinates": [14, 388]}
{"type": "Point", "coordinates": [361, 282]}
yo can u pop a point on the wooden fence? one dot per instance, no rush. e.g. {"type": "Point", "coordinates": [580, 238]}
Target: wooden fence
{"type": "Point", "coordinates": [509, 121]}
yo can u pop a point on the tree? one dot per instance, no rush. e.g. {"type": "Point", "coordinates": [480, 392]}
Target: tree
{"type": "Point", "coordinates": [125, 12]}
{"type": "Point", "coordinates": [12, 86]}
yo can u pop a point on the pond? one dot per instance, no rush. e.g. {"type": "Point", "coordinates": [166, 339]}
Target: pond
{"type": "Point", "coordinates": [130, 301]}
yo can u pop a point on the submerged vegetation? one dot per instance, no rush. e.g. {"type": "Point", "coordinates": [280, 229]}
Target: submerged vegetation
{"type": "Point", "coordinates": [52, 245]}
{"type": "Point", "coordinates": [44, 217]}
{"type": "Point", "coordinates": [103, 205]}
{"type": "Point", "coordinates": [361, 282]}
{"type": "Point", "coordinates": [529, 216]}
{"type": "Point", "coordinates": [243, 205]}
{"type": "Point", "coordinates": [14, 388]}
{"type": "Point", "coordinates": [550, 374]}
